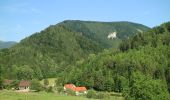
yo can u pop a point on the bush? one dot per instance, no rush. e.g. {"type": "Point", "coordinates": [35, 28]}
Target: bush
{"type": "Point", "coordinates": [46, 82]}
{"type": "Point", "coordinates": [91, 94]}
{"type": "Point", "coordinates": [1, 83]}
{"type": "Point", "coordinates": [60, 89]}
{"type": "Point", "coordinates": [35, 85]}
{"type": "Point", "coordinates": [71, 92]}
{"type": "Point", "coordinates": [14, 84]}
{"type": "Point", "coordinates": [100, 95]}
{"type": "Point", "coordinates": [49, 89]}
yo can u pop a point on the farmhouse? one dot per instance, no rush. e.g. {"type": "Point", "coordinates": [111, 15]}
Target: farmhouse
{"type": "Point", "coordinates": [77, 90]}
{"type": "Point", "coordinates": [24, 85]}
{"type": "Point", "coordinates": [69, 86]}
{"type": "Point", "coordinates": [80, 90]}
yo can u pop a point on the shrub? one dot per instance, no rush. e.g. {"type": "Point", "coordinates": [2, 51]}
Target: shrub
{"type": "Point", "coordinates": [35, 85]}
{"type": "Point", "coordinates": [60, 89]}
{"type": "Point", "coordinates": [100, 95]}
{"type": "Point", "coordinates": [70, 92]}
{"type": "Point", "coordinates": [46, 82]}
{"type": "Point", "coordinates": [91, 94]}
{"type": "Point", "coordinates": [49, 89]}
{"type": "Point", "coordinates": [14, 84]}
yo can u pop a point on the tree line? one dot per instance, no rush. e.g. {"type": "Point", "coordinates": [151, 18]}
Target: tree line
{"type": "Point", "coordinates": [140, 68]}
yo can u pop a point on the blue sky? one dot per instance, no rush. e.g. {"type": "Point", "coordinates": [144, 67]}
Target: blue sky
{"type": "Point", "coordinates": [21, 18]}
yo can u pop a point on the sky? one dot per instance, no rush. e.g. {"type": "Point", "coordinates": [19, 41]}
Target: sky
{"type": "Point", "coordinates": [21, 18]}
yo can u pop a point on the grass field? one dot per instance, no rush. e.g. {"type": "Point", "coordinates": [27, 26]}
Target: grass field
{"type": "Point", "coordinates": [11, 95]}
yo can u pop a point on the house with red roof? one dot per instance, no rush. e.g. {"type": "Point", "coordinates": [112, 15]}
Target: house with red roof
{"type": "Point", "coordinates": [69, 86]}
{"type": "Point", "coordinates": [77, 90]}
{"type": "Point", "coordinates": [24, 85]}
{"type": "Point", "coordinates": [80, 90]}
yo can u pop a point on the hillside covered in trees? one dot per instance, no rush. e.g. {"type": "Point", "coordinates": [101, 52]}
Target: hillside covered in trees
{"type": "Point", "coordinates": [140, 68]}
{"type": "Point", "coordinates": [59, 47]}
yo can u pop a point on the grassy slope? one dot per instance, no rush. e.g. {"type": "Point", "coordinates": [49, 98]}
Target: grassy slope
{"type": "Point", "coordinates": [10, 95]}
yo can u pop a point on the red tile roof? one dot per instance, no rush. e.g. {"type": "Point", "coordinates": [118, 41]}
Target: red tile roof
{"type": "Point", "coordinates": [70, 86]}
{"type": "Point", "coordinates": [24, 83]}
{"type": "Point", "coordinates": [80, 89]}
{"type": "Point", "coordinates": [74, 88]}
{"type": "Point", "coordinates": [7, 82]}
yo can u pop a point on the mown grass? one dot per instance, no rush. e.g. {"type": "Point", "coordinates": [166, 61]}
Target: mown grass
{"type": "Point", "coordinates": [11, 95]}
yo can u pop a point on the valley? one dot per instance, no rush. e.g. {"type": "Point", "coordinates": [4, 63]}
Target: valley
{"type": "Point", "coordinates": [80, 53]}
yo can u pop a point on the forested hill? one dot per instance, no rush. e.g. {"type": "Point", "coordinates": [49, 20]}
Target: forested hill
{"type": "Point", "coordinates": [99, 31]}
{"type": "Point", "coordinates": [61, 46]}
{"type": "Point", "coordinates": [6, 44]}
{"type": "Point", "coordinates": [140, 69]}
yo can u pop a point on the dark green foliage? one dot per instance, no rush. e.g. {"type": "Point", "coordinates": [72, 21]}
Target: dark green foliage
{"type": "Point", "coordinates": [97, 95]}
{"type": "Point", "coordinates": [60, 89]}
{"type": "Point", "coordinates": [167, 26]}
{"type": "Point", "coordinates": [46, 82]}
{"type": "Point", "coordinates": [35, 85]}
{"type": "Point", "coordinates": [117, 84]}
{"type": "Point", "coordinates": [140, 69]}
{"type": "Point", "coordinates": [24, 72]}
{"type": "Point", "coordinates": [99, 31]}
{"type": "Point", "coordinates": [91, 94]}
{"type": "Point", "coordinates": [155, 37]}
{"type": "Point", "coordinates": [58, 47]}
{"type": "Point", "coordinates": [14, 84]}
{"type": "Point", "coordinates": [49, 89]}
{"type": "Point", "coordinates": [1, 79]}
{"type": "Point", "coordinates": [167, 76]}
{"type": "Point", "coordinates": [147, 89]}
{"type": "Point", "coordinates": [70, 92]}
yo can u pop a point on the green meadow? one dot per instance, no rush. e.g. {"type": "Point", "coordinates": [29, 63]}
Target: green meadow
{"type": "Point", "coordinates": [11, 95]}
